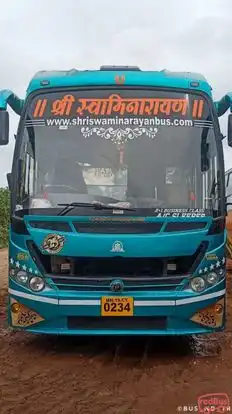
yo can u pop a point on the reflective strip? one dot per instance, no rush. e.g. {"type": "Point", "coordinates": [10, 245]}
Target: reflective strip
{"type": "Point", "coordinates": [154, 302]}
{"type": "Point", "coordinates": [80, 302]}
{"type": "Point", "coordinates": [33, 297]}
{"type": "Point", "coordinates": [96, 302]}
{"type": "Point", "coordinates": [200, 298]}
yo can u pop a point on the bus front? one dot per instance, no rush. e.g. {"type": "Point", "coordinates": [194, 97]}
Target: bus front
{"type": "Point", "coordinates": [118, 213]}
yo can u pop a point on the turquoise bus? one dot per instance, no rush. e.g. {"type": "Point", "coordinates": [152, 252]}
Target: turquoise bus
{"type": "Point", "coordinates": [118, 204]}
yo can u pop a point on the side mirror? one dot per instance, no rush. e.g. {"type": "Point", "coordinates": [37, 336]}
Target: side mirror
{"type": "Point", "coordinates": [9, 180]}
{"type": "Point", "coordinates": [4, 127]}
{"type": "Point", "coordinates": [229, 131]}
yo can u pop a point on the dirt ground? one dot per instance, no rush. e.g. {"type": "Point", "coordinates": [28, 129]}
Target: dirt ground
{"type": "Point", "coordinates": [67, 375]}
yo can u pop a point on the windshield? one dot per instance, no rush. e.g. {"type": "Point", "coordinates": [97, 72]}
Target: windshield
{"type": "Point", "coordinates": [149, 149]}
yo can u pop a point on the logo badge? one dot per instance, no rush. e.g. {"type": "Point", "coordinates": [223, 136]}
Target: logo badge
{"type": "Point", "coordinates": [120, 80]}
{"type": "Point", "coordinates": [117, 286]}
{"type": "Point", "coordinates": [53, 243]}
{"type": "Point", "coordinates": [117, 247]}
{"type": "Point", "coordinates": [22, 256]}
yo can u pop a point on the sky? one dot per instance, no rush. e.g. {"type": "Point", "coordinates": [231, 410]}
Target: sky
{"type": "Point", "coordinates": [177, 35]}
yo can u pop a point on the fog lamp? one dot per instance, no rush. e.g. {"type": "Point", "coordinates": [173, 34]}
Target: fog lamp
{"type": "Point", "coordinates": [36, 284]}
{"type": "Point", "coordinates": [15, 307]}
{"type": "Point", "coordinates": [218, 308]}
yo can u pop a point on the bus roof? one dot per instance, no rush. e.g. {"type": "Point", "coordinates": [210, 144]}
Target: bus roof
{"type": "Point", "coordinates": [108, 75]}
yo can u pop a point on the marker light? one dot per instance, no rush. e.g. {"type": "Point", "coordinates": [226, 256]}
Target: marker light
{"type": "Point", "coordinates": [36, 284]}
{"type": "Point", "coordinates": [197, 284]}
{"type": "Point", "coordinates": [22, 277]}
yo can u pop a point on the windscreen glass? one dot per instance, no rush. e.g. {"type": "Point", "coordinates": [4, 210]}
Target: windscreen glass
{"type": "Point", "coordinates": [146, 149]}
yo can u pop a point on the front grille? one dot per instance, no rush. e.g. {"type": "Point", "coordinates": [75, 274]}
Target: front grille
{"type": "Point", "coordinates": [122, 225]}
{"type": "Point", "coordinates": [91, 273]}
{"type": "Point", "coordinates": [76, 284]}
{"type": "Point", "coordinates": [114, 266]}
{"type": "Point", "coordinates": [117, 323]}
{"type": "Point", "coordinates": [51, 225]}
{"type": "Point", "coordinates": [184, 226]}
{"type": "Point", "coordinates": [118, 227]}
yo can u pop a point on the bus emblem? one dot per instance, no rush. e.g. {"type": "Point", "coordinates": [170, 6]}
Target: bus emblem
{"type": "Point", "coordinates": [117, 286]}
{"type": "Point", "coordinates": [53, 243]}
{"type": "Point", "coordinates": [117, 247]}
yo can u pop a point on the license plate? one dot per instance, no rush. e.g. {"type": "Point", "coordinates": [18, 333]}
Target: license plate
{"type": "Point", "coordinates": [117, 306]}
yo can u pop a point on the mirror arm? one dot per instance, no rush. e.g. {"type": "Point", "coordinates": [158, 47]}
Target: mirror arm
{"type": "Point", "coordinates": [7, 97]}
{"type": "Point", "coordinates": [224, 104]}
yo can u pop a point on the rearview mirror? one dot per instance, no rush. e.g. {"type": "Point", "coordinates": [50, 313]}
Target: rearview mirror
{"type": "Point", "coordinates": [4, 127]}
{"type": "Point", "coordinates": [229, 131]}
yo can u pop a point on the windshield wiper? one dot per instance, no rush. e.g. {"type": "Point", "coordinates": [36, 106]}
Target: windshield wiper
{"type": "Point", "coordinates": [95, 205]}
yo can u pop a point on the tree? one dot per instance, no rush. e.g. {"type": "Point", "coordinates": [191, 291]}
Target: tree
{"type": "Point", "coordinates": [4, 216]}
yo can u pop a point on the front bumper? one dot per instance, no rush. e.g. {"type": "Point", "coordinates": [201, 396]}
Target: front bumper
{"type": "Point", "coordinates": [79, 313]}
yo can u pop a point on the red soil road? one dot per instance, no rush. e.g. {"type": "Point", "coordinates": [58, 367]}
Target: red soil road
{"type": "Point", "coordinates": [70, 375]}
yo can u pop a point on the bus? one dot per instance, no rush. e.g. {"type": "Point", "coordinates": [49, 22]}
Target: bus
{"type": "Point", "coordinates": [118, 204]}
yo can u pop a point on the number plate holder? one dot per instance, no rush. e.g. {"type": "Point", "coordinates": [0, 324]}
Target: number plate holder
{"type": "Point", "coordinates": [117, 306]}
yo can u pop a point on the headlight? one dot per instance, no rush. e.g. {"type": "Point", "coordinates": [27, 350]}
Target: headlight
{"type": "Point", "coordinates": [36, 283]}
{"type": "Point", "coordinates": [212, 278]}
{"type": "Point", "coordinates": [22, 277]}
{"type": "Point", "coordinates": [197, 284]}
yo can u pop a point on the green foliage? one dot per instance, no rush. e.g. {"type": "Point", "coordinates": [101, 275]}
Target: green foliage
{"type": "Point", "coordinates": [4, 216]}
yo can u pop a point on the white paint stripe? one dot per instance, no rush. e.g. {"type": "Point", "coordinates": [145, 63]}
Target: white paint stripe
{"type": "Point", "coordinates": [80, 302]}
{"type": "Point", "coordinates": [33, 297]}
{"type": "Point", "coordinates": [97, 302]}
{"type": "Point", "coordinates": [154, 302]}
{"type": "Point", "coordinates": [200, 298]}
